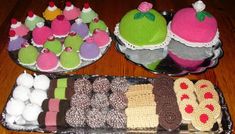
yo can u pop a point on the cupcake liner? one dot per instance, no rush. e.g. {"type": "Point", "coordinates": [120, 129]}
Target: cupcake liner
{"type": "Point", "coordinates": [71, 68]}
{"type": "Point", "coordinates": [134, 47]}
{"type": "Point", "coordinates": [61, 36]}
{"type": "Point", "coordinates": [92, 59]}
{"type": "Point", "coordinates": [35, 44]}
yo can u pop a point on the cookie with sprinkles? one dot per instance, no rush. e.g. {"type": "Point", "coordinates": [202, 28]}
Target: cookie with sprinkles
{"type": "Point", "coordinates": [119, 84]}
{"type": "Point", "coordinates": [95, 119]}
{"type": "Point", "coordinates": [81, 101]}
{"type": "Point", "coordinates": [82, 86]}
{"type": "Point", "coordinates": [101, 85]}
{"type": "Point", "coordinates": [116, 119]}
{"type": "Point", "coordinates": [75, 117]}
{"type": "Point", "coordinates": [118, 100]}
{"type": "Point", "coordinates": [99, 101]}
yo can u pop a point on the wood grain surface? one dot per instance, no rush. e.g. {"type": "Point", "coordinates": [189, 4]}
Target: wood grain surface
{"type": "Point", "coordinates": [114, 63]}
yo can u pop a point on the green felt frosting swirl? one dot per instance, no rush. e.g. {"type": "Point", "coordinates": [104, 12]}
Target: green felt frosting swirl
{"type": "Point", "coordinates": [59, 93]}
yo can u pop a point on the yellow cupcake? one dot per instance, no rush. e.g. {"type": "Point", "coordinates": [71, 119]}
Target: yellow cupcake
{"type": "Point", "coordinates": [51, 12]}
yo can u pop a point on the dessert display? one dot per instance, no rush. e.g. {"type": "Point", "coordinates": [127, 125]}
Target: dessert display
{"type": "Point", "coordinates": [187, 42]}
{"type": "Point", "coordinates": [57, 41]}
{"type": "Point", "coordinates": [128, 104]}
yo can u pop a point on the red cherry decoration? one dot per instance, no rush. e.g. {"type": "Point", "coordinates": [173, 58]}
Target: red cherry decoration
{"type": "Point", "coordinates": [203, 86]}
{"type": "Point", "coordinates": [86, 5]}
{"type": "Point", "coordinates": [51, 38]}
{"type": "Point", "coordinates": [68, 3]}
{"type": "Point", "coordinates": [72, 33]}
{"type": "Point", "coordinates": [96, 19]}
{"type": "Point", "coordinates": [45, 50]}
{"type": "Point", "coordinates": [30, 13]}
{"type": "Point", "coordinates": [60, 17]}
{"type": "Point", "coordinates": [184, 96]}
{"type": "Point", "coordinates": [89, 40]}
{"type": "Point", "coordinates": [51, 4]}
{"type": "Point", "coordinates": [12, 33]}
{"type": "Point", "coordinates": [14, 21]}
{"type": "Point", "coordinates": [68, 49]}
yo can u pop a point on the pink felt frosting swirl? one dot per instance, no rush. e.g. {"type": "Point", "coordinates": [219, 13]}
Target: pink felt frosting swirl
{"type": "Point", "coordinates": [50, 119]}
{"type": "Point", "coordinates": [145, 7]}
{"type": "Point", "coordinates": [53, 105]}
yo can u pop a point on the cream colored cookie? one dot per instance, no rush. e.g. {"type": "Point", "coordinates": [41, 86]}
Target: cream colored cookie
{"type": "Point", "coordinates": [212, 105]}
{"type": "Point", "coordinates": [183, 84]}
{"type": "Point", "coordinates": [200, 84]}
{"type": "Point", "coordinates": [207, 94]}
{"type": "Point", "coordinates": [203, 119]}
{"type": "Point", "coordinates": [187, 109]}
{"type": "Point", "coordinates": [185, 95]}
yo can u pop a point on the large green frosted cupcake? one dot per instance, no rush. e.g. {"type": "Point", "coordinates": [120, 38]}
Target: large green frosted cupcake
{"type": "Point", "coordinates": [74, 41]}
{"type": "Point", "coordinates": [144, 26]}
{"type": "Point", "coordinates": [54, 45]}
{"type": "Point", "coordinates": [27, 55]}
{"type": "Point", "coordinates": [69, 59]}
{"type": "Point", "coordinates": [97, 24]}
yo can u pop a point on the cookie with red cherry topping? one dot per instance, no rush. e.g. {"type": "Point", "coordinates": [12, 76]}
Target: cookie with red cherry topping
{"type": "Point", "coordinates": [211, 105]}
{"type": "Point", "coordinates": [208, 94]}
{"type": "Point", "coordinates": [203, 119]}
{"type": "Point", "coordinates": [203, 84]}
{"type": "Point", "coordinates": [185, 95]}
{"type": "Point", "coordinates": [183, 84]}
{"type": "Point", "coordinates": [187, 109]}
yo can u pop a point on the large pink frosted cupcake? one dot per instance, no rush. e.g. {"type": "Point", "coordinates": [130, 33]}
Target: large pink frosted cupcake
{"type": "Point", "coordinates": [60, 26]}
{"type": "Point", "coordinates": [194, 32]}
{"type": "Point", "coordinates": [40, 34]}
{"type": "Point", "coordinates": [71, 12]}
{"type": "Point", "coordinates": [47, 61]}
{"type": "Point", "coordinates": [19, 28]}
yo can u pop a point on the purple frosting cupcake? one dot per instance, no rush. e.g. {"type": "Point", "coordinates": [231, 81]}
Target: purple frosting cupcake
{"type": "Point", "coordinates": [15, 41]}
{"type": "Point", "coordinates": [80, 28]}
{"type": "Point", "coordinates": [89, 50]}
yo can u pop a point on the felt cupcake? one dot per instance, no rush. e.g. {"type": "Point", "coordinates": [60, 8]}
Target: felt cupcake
{"type": "Point", "coordinates": [89, 50]}
{"type": "Point", "coordinates": [32, 19]}
{"type": "Point", "coordinates": [71, 12]}
{"type": "Point", "coordinates": [18, 27]}
{"type": "Point", "coordinates": [87, 14]}
{"type": "Point", "coordinates": [40, 34]}
{"type": "Point", "coordinates": [15, 41]}
{"type": "Point", "coordinates": [69, 59]}
{"type": "Point", "coordinates": [47, 61]}
{"type": "Point", "coordinates": [97, 24]}
{"type": "Point", "coordinates": [60, 26]}
{"type": "Point", "coordinates": [80, 28]}
{"type": "Point", "coordinates": [194, 32]}
{"type": "Point", "coordinates": [74, 41]}
{"type": "Point", "coordinates": [54, 45]}
{"type": "Point", "coordinates": [101, 38]}
{"type": "Point", "coordinates": [27, 55]}
{"type": "Point", "coordinates": [143, 32]}
{"type": "Point", "coordinates": [51, 12]}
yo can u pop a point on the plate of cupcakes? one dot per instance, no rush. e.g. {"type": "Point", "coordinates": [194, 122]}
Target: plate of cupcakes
{"type": "Point", "coordinates": [60, 40]}
{"type": "Point", "coordinates": [111, 104]}
{"type": "Point", "coordinates": [170, 43]}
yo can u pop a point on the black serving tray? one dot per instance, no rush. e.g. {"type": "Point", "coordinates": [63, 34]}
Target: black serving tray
{"type": "Point", "coordinates": [226, 125]}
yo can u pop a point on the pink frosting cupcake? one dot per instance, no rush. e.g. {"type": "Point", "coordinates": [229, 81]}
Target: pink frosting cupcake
{"type": "Point", "coordinates": [101, 38]}
{"type": "Point", "coordinates": [40, 34]}
{"type": "Point", "coordinates": [71, 12]}
{"type": "Point", "coordinates": [18, 27]}
{"type": "Point", "coordinates": [194, 32]}
{"type": "Point", "coordinates": [60, 26]}
{"type": "Point", "coordinates": [47, 61]}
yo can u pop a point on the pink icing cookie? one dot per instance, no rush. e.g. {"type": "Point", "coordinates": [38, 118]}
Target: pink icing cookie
{"type": "Point", "coordinates": [50, 119]}
{"type": "Point", "coordinates": [54, 105]}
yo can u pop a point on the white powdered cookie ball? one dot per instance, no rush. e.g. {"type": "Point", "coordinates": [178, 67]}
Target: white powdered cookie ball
{"type": "Point", "coordinates": [38, 96]}
{"type": "Point", "coordinates": [31, 112]}
{"type": "Point", "coordinates": [15, 107]}
{"type": "Point", "coordinates": [41, 82]}
{"type": "Point", "coordinates": [22, 93]}
{"type": "Point", "coordinates": [25, 80]}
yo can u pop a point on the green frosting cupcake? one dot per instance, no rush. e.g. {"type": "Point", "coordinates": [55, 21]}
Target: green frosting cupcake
{"type": "Point", "coordinates": [74, 41]}
{"type": "Point", "coordinates": [69, 59]}
{"type": "Point", "coordinates": [53, 45]}
{"type": "Point", "coordinates": [28, 55]}
{"type": "Point", "coordinates": [144, 26]}
{"type": "Point", "coordinates": [88, 14]}
{"type": "Point", "coordinates": [32, 20]}
{"type": "Point", "coordinates": [97, 24]}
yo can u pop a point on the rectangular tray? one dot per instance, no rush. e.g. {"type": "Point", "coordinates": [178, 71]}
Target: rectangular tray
{"type": "Point", "coordinates": [225, 127]}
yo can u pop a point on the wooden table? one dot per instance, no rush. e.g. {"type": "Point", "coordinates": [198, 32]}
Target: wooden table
{"type": "Point", "coordinates": [114, 63]}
